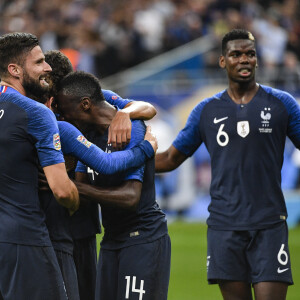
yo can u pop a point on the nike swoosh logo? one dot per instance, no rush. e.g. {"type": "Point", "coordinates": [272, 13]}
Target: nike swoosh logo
{"type": "Point", "coordinates": [281, 270]}
{"type": "Point", "coordinates": [219, 120]}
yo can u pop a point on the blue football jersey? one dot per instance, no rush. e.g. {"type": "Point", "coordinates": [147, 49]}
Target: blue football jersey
{"type": "Point", "coordinates": [246, 145]}
{"type": "Point", "coordinates": [29, 137]}
{"type": "Point", "coordinates": [122, 227]}
{"type": "Point", "coordinates": [85, 223]}
{"type": "Point", "coordinates": [114, 99]}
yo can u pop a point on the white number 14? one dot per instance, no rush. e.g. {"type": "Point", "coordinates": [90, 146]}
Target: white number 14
{"type": "Point", "coordinates": [141, 290]}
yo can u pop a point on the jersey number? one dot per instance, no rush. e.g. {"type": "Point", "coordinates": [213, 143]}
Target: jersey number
{"type": "Point", "coordinates": [282, 256]}
{"type": "Point", "coordinates": [141, 290]}
{"type": "Point", "coordinates": [222, 136]}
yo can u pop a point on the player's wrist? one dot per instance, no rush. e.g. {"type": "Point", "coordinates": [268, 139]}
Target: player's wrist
{"type": "Point", "coordinates": [148, 147]}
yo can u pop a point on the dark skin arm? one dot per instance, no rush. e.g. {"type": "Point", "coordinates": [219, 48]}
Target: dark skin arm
{"type": "Point", "coordinates": [125, 196]}
{"type": "Point", "coordinates": [169, 160]}
{"type": "Point", "coordinates": [119, 132]}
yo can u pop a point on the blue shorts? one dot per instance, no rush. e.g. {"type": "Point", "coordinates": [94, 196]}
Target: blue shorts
{"type": "Point", "coordinates": [252, 256]}
{"type": "Point", "coordinates": [29, 272]}
{"type": "Point", "coordinates": [85, 258]}
{"type": "Point", "coordinates": [138, 272]}
{"type": "Point", "coordinates": [68, 270]}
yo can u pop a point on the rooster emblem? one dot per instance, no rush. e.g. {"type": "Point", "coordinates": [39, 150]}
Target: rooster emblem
{"type": "Point", "coordinates": [266, 116]}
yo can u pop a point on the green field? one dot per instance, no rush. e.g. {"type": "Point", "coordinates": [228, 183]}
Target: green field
{"type": "Point", "coordinates": [188, 266]}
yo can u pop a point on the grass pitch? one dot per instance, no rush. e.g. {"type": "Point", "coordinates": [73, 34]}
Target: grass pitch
{"type": "Point", "coordinates": [188, 264]}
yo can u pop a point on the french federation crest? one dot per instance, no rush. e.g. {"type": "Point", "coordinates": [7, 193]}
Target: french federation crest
{"type": "Point", "coordinates": [56, 142]}
{"type": "Point", "coordinates": [243, 128]}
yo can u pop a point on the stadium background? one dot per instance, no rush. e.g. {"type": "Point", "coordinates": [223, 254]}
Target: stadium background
{"type": "Point", "coordinates": [166, 52]}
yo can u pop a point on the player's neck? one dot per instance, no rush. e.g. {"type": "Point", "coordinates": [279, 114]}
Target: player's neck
{"type": "Point", "coordinates": [15, 85]}
{"type": "Point", "coordinates": [242, 94]}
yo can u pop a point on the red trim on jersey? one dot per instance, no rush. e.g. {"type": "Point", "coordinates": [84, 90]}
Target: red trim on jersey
{"type": "Point", "coordinates": [3, 89]}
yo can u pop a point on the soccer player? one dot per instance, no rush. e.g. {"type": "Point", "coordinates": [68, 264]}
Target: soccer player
{"type": "Point", "coordinates": [134, 261]}
{"type": "Point", "coordinates": [76, 145]}
{"type": "Point", "coordinates": [29, 134]}
{"type": "Point", "coordinates": [244, 129]}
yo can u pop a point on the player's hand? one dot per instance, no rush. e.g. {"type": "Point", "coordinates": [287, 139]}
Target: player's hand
{"type": "Point", "coordinates": [119, 132]}
{"type": "Point", "coordinates": [151, 138]}
{"type": "Point", "coordinates": [74, 208]}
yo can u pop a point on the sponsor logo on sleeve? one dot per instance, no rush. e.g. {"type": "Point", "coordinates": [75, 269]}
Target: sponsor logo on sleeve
{"type": "Point", "coordinates": [56, 141]}
{"type": "Point", "coordinates": [84, 141]}
{"type": "Point", "coordinates": [114, 97]}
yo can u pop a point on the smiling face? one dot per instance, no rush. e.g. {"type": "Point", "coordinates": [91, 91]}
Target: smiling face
{"type": "Point", "coordinates": [240, 61]}
{"type": "Point", "coordinates": [35, 70]}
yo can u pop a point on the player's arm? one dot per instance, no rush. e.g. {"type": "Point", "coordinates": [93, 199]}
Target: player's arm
{"type": "Point", "coordinates": [63, 189]}
{"type": "Point", "coordinates": [75, 144]}
{"type": "Point", "coordinates": [186, 143]}
{"type": "Point", "coordinates": [125, 196]}
{"type": "Point", "coordinates": [169, 160]}
{"type": "Point", "coordinates": [119, 133]}
{"type": "Point", "coordinates": [42, 125]}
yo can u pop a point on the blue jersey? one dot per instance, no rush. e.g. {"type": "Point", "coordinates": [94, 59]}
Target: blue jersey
{"type": "Point", "coordinates": [122, 227]}
{"type": "Point", "coordinates": [246, 144]}
{"type": "Point", "coordinates": [114, 99]}
{"type": "Point", "coordinates": [85, 223]}
{"type": "Point", "coordinates": [29, 136]}
{"type": "Point", "coordinates": [75, 144]}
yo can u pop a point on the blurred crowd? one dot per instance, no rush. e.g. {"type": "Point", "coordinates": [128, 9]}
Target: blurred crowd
{"type": "Point", "coordinates": [107, 36]}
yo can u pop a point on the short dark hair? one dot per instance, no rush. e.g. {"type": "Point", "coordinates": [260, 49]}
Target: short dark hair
{"type": "Point", "coordinates": [13, 47]}
{"type": "Point", "coordinates": [236, 34]}
{"type": "Point", "coordinates": [61, 66]}
{"type": "Point", "coordinates": [80, 84]}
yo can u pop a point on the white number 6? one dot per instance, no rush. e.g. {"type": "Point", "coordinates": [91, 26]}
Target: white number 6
{"type": "Point", "coordinates": [284, 254]}
{"type": "Point", "coordinates": [224, 135]}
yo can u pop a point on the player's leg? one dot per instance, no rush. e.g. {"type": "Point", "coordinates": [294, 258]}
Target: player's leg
{"type": "Point", "coordinates": [29, 272]}
{"type": "Point", "coordinates": [269, 259]}
{"type": "Point", "coordinates": [107, 275]}
{"type": "Point", "coordinates": [270, 290]}
{"type": "Point", "coordinates": [68, 270]}
{"type": "Point", "coordinates": [144, 271]}
{"type": "Point", "coordinates": [227, 264]}
{"type": "Point", "coordinates": [85, 258]}
{"type": "Point", "coordinates": [234, 290]}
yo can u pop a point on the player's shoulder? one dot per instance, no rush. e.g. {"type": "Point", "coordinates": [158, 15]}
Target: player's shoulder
{"type": "Point", "coordinates": [32, 107]}
{"type": "Point", "coordinates": [110, 95]}
{"type": "Point", "coordinates": [277, 93]}
{"type": "Point", "coordinates": [207, 101]}
{"type": "Point", "coordinates": [65, 126]}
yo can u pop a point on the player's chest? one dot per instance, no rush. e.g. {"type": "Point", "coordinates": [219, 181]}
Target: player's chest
{"type": "Point", "coordinates": [233, 123]}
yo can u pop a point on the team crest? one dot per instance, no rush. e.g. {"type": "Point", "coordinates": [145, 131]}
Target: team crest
{"type": "Point", "coordinates": [84, 141]}
{"type": "Point", "coordinates": [243, 128]}
{"type": "Point", "coordinates": [56, 141]}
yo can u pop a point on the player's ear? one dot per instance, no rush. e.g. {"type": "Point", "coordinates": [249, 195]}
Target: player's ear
{"type": "Point", "coordinates": [49, 102]}
{"type": "Point", "coordinates": [85, 103]}
{"type": "Point", "coordinates": [222, 63]}
{"type": "Point", "coordinates": [14, 70]}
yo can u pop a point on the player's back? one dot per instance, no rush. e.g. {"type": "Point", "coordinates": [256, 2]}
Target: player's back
{"type": "Point", "coordinates": [22, 220]}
